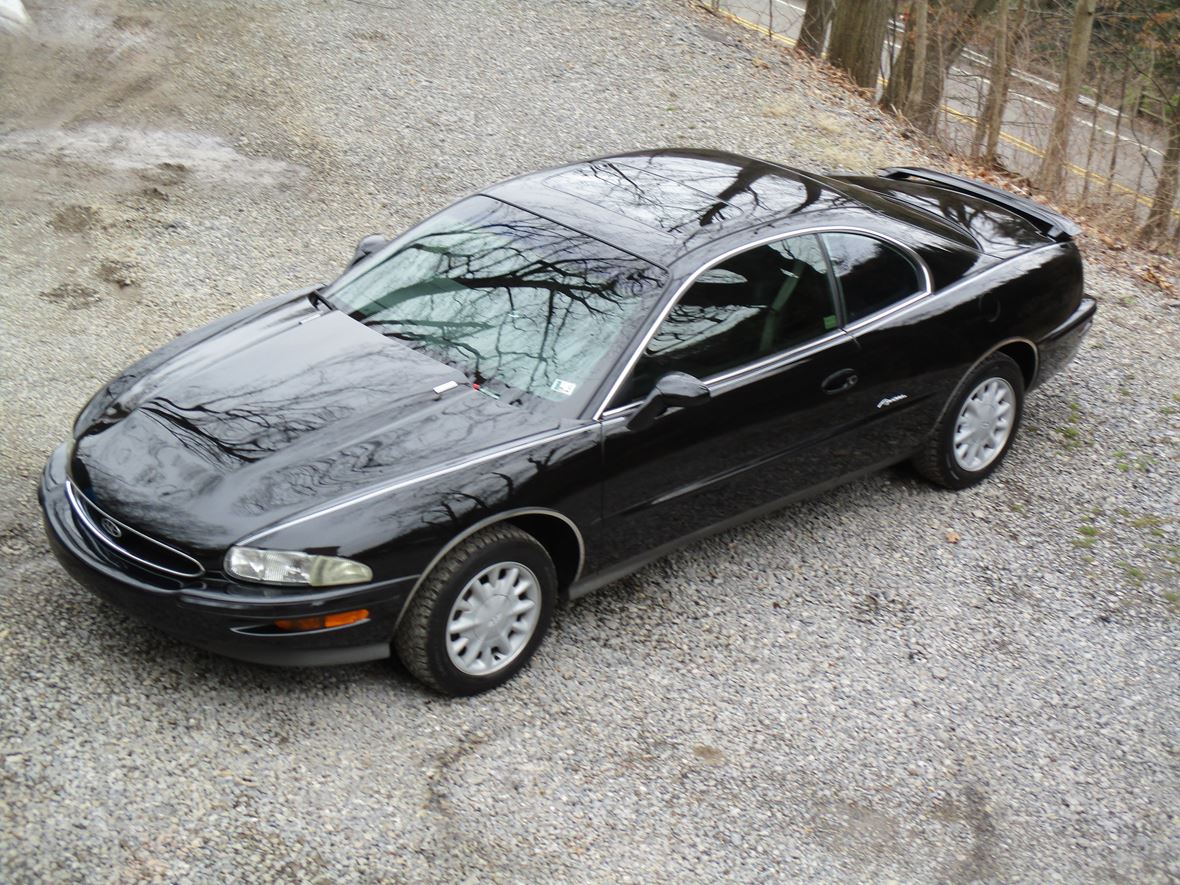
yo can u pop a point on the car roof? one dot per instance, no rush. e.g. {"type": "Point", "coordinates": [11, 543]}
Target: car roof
{"type": "Point", "coordinates": [662, 204]}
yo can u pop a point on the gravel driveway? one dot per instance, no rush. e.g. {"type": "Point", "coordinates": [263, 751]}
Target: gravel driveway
{"type": "Point", "coordinates": [889, 682]}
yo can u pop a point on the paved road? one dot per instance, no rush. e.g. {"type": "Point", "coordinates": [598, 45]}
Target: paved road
{"type": "Point", "coordinates": [1027, 116]}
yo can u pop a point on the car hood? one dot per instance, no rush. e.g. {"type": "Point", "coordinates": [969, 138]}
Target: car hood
{"type": "Point", "coordinates": [274, 416]}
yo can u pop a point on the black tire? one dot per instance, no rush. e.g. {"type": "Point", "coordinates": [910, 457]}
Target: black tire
{"type": "Point", "coordinates": [421, 639]}
{"type": "Point", "coordinates": [937, 461]}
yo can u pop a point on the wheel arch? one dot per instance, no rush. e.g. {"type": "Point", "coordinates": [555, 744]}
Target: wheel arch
{"type": "Point", "coordinates": [1024, 353]}
{"type": "Point", "coordinates": [1020, 350]}
{"type": "Point", "coordinates": [561, 539]}
{"type": "Point", "coordinates": [556, 532]}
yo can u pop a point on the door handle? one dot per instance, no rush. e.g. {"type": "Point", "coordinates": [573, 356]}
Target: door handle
{"type": "Point", "coordinates": [840, 381]}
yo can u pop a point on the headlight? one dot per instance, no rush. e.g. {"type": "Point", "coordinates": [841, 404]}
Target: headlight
{"type": "Point", "coordinates": [291, 567]}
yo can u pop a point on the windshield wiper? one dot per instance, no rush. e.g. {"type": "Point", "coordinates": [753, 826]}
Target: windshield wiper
{"type": "Point", "coordinates": [438, 348]}
{"type": "Point", "coordinates": [427, 345]}
{"type": "Point", "coordinates": [315, 296]}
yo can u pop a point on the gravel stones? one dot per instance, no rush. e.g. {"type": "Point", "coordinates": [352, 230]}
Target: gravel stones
{"type": "Point", "coordinates": [832, 693]}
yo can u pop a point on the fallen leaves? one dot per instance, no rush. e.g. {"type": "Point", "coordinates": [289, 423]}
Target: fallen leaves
{"type": "Point", "coordinates": [1155, 275]}
{"type": "Point", "coordinates": [953, 537]}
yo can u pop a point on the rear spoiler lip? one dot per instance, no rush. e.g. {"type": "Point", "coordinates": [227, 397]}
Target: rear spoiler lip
{"type": "Point", "coordinates": [1052, 224]}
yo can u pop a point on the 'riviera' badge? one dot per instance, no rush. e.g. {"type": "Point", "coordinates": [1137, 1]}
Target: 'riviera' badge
{"type": "Point", "coordinates": [890, 400]}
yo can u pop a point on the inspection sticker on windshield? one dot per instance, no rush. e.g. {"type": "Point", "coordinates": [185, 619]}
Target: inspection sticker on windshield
{"type": "Point", "coordinates": [565, 388]}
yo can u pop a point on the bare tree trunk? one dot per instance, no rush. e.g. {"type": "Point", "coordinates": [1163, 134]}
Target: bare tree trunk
{"type": "Point", "coordinates": [1098, 93]}
{"type": "Point", "coordinates": [817, 15]}
{"type": "Point", "coordinates": [858, 35]}
{"type": "Point", "coordinates": [952, 36]}
{"type": "Point", "coordinates": [1144, 162]}
{"type": "Point", "coordinates": [1053, 163]}
{"type": "Point", "coordinates": [952, 22]}
{"type": "Point", "coordinates": [1118, 139]}
{"type": "Point", "coordinates": [897, 90]}
{"type": "Point", "coordinates": [991, 115]}
{"type": "Point", "coordinates": [1160, 214]}
{"type": "Point", "coordinates": [1015, 45]}
{"type": "Point", "coordinates": [918, 26]}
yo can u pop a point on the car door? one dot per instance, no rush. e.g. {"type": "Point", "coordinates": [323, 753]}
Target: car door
{"type": "Point", "coordinates": [761, 329]}
{"type": "Point", "coordinates": [909, 343]}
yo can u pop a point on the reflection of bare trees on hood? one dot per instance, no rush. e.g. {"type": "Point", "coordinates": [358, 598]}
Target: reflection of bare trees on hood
{"type": "Point", "coordinates": [253, 420]}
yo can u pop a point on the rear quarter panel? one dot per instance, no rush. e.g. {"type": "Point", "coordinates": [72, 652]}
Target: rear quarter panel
{"type": "Point", "coordinates": [924, 351]}
{"type": "Point", "coordinates": [1032, 294]}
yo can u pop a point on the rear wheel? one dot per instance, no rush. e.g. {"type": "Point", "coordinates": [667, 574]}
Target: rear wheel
{"type": "Point", "coordinates": [976, 431]}
{"type": "Point", "coordinates": [480, 614]}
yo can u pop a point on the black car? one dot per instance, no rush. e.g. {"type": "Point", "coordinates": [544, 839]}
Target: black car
{"type": "Point", "coordinates": [548, 384]}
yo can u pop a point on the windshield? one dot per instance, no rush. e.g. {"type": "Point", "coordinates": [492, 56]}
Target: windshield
{"type": "Point", "coordinates": [529, 310]}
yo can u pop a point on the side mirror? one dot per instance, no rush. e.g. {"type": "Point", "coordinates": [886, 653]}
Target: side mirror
{"type": "Point", "coordinates": [366, 247]}
{"type": "Point", "coordinates": [674, 389]}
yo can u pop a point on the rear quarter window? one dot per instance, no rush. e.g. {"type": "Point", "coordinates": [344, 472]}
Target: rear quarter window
{"type": "Point", "coordinates": [873, 274]}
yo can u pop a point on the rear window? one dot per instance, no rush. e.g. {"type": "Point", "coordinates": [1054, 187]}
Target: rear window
{"type": "Point", "coordinates": [996, 230]}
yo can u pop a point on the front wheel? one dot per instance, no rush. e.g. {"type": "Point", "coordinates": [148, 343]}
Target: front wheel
{"type": "Point", "coordinates": [480, 614]}
{"type": "Point", "coordinates": [977, 429]}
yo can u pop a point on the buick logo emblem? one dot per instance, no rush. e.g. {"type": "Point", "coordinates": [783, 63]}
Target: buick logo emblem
{"type": "Point", "coordinates": [111, 528]}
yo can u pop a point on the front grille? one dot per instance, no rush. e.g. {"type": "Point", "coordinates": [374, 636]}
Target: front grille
{"type": "Point", "coordinates": [130, 543]}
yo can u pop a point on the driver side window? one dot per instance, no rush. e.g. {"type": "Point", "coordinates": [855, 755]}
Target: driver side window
{"type": "Point", "coordinates": [761, 302]}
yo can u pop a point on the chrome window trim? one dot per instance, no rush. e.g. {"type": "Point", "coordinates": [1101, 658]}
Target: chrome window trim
{"type": "Point", "coordinates": [413, 479]}
{"type": "Point", "coordinates": [80, 511]}
{"type": "Point", "coordinates": [914, 259]}
{"type": "Point", "coordinates": [727, 378]}
{"type": "Point", "coordinates": [884, 312]}
{"type": "Point", "coordinates": [602, 412]}
{"type": "Point", "coordinates": [786, 356]}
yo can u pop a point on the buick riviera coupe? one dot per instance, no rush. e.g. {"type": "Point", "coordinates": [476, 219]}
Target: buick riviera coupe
{"type": "Point", "coordinates": [548, 384]}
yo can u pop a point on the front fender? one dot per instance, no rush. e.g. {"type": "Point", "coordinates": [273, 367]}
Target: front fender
{"type": "Point", "coordinates": [399, 528]}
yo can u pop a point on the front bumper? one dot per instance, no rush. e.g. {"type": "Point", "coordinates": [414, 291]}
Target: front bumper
{"type": "Point", "coordinates": [227, 618]}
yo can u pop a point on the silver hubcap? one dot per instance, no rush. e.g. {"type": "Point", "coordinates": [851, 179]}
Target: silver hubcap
{"type": "Point", "coordinates": [984, 424]}
{"type": "Point", "coordinates": [493, 619]}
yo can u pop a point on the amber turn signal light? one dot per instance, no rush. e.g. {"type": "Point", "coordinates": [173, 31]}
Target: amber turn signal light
{"type": "Point", "coordinates": [339, 619]}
